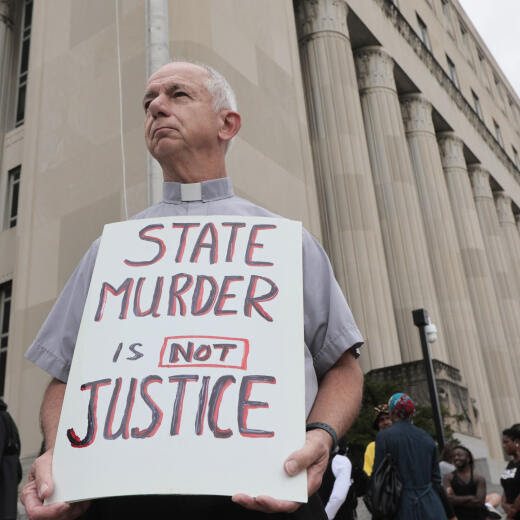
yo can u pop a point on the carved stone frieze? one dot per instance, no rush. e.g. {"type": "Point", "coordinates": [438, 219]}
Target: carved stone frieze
{"type": "Point", "coordinates": [407, 32]}
{"type": "Point", "coordinates": [451, 150]}
{"type": "Point", "coordinates": [417, 113]}
{"type": "Point", "coordinates": [504, 208]}
{"type": "Point", "coordinates": [315, 16]}
{"type": "Point", "coordinates": [375, 68]}
{"type": "Point", "coordinates": [480, 181]}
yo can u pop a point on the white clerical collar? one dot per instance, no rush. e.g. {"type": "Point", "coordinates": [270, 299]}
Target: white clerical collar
{"type": "Point", "coordinates": [215, 189]}
{"type": "Point", "coordinates": [191, 192]}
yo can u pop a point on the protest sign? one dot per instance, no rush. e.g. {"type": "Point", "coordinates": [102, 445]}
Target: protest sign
{"type": "Point", "coordinates": [188, 372]}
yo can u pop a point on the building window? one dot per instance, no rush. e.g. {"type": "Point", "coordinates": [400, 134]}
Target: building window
{"type": "Point", "coordinates": [13, 194]}
{"type": "Point", "coordinates": [452, 71]}
{"type": "Point", "coordinates": [465, 40]}
{"type": "Point", "coordinates": [498, 133]}
{"type": "Point", "coordinates": [500, 92]}
{"type": "Point", "coordinates": [5, 311]}
{"type": "Point", "coordinates": [423, 33]}
{"type": "Point", "coordinates": [447, 17]}
{"type": "Point", "coordinates": [516, 159]}
{"type": "Point", "coordinates": [25, 43]}
{"type": "Point", "coordinates": [476, 104]}
{"type": "Point", "coordinates": [513, 110]}
{"type": "Point", "coordinates": [483, 68]}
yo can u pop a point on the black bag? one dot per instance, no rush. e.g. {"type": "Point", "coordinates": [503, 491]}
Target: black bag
{"type": "Point", "coordinates": [384, 492]}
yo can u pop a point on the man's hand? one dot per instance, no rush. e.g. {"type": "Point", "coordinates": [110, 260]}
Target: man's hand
{"type": "Point", "coordinates": [313, 457]}
{"type": "Point", "coordinates": [40, 487]}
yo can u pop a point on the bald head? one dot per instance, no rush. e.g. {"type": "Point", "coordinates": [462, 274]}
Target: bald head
{"type": "Point", "coordinates": [216, 84]}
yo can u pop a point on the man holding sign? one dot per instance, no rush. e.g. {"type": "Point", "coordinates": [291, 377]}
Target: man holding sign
{"type": "Point", "coordinates": [190, 119]}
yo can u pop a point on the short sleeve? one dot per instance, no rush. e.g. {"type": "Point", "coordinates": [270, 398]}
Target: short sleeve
{"type": "Point", "coordinates": [368, 460]}
{"type": "Point", "coordinates": [330, 329]}
{"type": "Point", "coordinates": [53, 347]}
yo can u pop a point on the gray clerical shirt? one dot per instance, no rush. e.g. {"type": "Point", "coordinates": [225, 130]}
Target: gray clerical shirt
{"type": "Point", "coordinates": [329, 328]}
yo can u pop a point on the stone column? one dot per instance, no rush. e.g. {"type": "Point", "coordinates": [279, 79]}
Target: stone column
{"type": "Point", "coordinates": [501, 365]}
{"type": "Point", "coordinates": [511, 237]}
{"type": "Point", "coordinates": [511, 247]}
{"type": "Point", "coordinates": [411, 278]}
{"type": "Point", "coordinates": [342, 168]}
{"type": "Point", "coordinates": [460, 330]}
{"type": "Point", "coordinates": [480, 283]}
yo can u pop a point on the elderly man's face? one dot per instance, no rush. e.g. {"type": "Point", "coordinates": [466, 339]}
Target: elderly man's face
{"type": "Point", "coordinates": [180, 118]}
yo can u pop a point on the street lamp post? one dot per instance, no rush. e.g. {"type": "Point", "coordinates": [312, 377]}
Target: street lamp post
{"type": "Point", "coordinates": [422, 321]}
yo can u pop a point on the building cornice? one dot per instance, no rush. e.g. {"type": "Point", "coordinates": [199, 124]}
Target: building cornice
{"type": "Point", "coordinates": [411, 37]}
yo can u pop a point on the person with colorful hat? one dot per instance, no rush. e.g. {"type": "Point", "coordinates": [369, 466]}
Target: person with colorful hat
{"type": "Point", "coordinates": [415, 455]}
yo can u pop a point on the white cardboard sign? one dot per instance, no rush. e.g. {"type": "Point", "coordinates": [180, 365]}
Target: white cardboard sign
{"type": "Point", "coordinates": [188, 373]}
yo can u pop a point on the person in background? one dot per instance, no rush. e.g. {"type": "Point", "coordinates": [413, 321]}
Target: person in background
{"type": "Point", "coordinates": [446, 458]}
{"type": "Point", "coordinates": [381, 422]}
{"type": "Point", "coordinates": [10, 468]}
{"type": "Point", "coordinates": [415, 455]}
{"type": "Point", "coordinates": [465, 487]}
{"type": "Point", "coordinates": [510, 478]}
{"type": "Point", "coordinates": [342, 483]}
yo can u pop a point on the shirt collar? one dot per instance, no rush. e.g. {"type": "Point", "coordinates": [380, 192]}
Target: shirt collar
{"type": "Point", "coordinates": [214, 189]}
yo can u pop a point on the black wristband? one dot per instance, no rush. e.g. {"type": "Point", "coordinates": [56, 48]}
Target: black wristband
{"type": "Point", "coordinates": [329, 429]}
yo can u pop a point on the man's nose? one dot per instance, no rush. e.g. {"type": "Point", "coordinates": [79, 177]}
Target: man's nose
{"type": "Point", "coordinates": [159, 106]}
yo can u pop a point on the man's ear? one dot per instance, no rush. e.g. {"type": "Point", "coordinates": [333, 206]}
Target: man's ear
{"type": "Point", "coordinates": [231, 123]}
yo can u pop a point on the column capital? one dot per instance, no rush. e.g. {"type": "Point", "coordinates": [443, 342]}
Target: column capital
{"type": "Point", "coordinates": [417, 113]}
{"type": "Point", "coordinates": [480, 181]}
{"type": "Point", "coordinates": [451, 149]}
{"type": "Point", "coordinates": [504, 208]}
{"type": "Point", "coordinates": [5, 12]}
{"type": "Point", "coordinates": [314, 16]}
{"type": "Point", "coordinates": [375, 68]}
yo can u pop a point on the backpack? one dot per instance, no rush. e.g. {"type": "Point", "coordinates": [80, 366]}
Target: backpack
{"type": "Point", "coordinates": [384, 492]}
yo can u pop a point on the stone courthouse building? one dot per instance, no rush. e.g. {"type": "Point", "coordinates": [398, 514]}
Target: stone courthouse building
{"type": "Point", "coordinates": [386, 127]}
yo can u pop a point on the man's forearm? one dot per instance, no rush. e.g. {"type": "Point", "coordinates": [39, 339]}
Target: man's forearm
{"type": "Point", "coordinates": [339, 395]}
{"type": "Point", "coordinates": [50, 411]}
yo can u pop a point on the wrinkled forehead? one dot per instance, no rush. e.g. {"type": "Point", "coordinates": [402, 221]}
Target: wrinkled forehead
{"type": "Point", "coordinates": [179, 72]}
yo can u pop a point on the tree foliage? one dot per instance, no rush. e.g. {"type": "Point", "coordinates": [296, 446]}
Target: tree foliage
{"type": "Point", "coordinates": [377, 392]}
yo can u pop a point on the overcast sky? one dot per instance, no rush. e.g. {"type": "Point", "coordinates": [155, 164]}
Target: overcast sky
{"type": "Point", "coordinates": [497, 22]}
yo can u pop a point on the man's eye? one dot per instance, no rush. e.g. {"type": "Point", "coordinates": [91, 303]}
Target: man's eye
{"type": "Point", "coordinates": [146, 105]}
{"type": "Point", "coordinates": [179, 93]}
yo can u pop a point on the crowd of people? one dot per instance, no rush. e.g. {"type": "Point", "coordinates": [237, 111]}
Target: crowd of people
{"type": "Point", "coordinates": [449, 488]}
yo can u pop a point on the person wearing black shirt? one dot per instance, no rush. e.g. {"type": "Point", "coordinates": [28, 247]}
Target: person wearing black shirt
{"type": "Point", "coordinates": [510, 478]}
{"type": "Point", "coordinates": [466, 489]}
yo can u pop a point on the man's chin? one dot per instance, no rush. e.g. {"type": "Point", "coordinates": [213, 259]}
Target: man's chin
{"type": "Point", "coordinates": [166, 147]}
